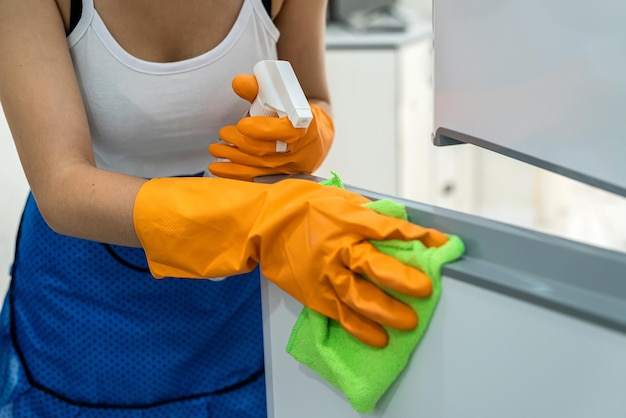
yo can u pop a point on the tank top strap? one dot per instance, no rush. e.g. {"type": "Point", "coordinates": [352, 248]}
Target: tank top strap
{"type": "Point", "coordinates": [268, 7]}
{"type": "Point", "coordinates": [81, 15]}
{"type": "Point", "coordinates": [76, 10]}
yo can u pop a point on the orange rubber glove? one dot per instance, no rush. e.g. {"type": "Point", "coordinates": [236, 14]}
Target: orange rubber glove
{"type": "Point", "coordinates": [311, 240]}
{"type": "Point", "coordinates": [251, 144]}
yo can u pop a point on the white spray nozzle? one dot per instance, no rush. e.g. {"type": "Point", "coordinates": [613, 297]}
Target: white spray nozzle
{"type": "Point", "coordinates": [280, 95]}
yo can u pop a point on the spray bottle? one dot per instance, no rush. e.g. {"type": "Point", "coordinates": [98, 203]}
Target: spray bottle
{"type": "Point", "coordinates": [279, 95]}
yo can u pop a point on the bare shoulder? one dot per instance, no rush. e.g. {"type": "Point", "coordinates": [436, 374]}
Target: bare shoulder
{"type": "Point", "coordinates": [300, 8]}
{"type": "Point", "coordinates": [279, 6]}
{"type": "Point", "coordinates": [37, 26]}
{"type": "Point", "coordinates": [276, 7]}
{"type": "Point", "coordinates": [38, 90]}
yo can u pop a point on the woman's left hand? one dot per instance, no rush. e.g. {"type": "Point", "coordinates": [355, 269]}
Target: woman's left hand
{"type": "Point", "coordinates": [251, 144]}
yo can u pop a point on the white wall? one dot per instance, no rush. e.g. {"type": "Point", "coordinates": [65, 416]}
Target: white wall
{"type": "Point", "coordinates": [13, 189]}
{"type": "Point", "coordinates": [424, 7]}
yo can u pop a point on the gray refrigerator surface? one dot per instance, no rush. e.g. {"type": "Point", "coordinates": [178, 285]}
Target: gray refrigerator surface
{"type": "Point", "coordinates": [541, 81]}
{"type": "Point", "coordinates": [528, 325]}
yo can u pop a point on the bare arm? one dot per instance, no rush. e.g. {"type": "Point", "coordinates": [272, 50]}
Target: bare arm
{"type": "Point", "coordinates": [302, 25]}
{"type": "Point", "coordinates": [42, 102]}
{"type": "Point", "coordinates": [44, 109]}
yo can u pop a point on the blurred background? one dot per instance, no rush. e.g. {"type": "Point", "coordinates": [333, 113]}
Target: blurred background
{"type": "Point", "coordinates": [379, 62]}
{"type": "Point", "coordinates": [380, 65]}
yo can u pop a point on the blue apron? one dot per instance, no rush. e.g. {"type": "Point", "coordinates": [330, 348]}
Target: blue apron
{"type": "Point", "coordinates": [87, 331]}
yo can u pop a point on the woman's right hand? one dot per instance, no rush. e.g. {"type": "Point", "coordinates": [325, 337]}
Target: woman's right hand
{"type": "Point", "coordinates": [310, 240]}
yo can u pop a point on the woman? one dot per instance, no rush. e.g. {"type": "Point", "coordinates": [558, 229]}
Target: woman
{"type": "Point", "coordinates": [112, 105]}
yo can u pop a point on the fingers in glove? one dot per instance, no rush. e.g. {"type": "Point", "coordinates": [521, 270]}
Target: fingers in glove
{"type": "Point", "coordinates": [407, 231]}
{"type": "Point", "coordinates": [373, 302]}
{"type": "Point", "coordinates": [365, 330]}
{"type": "Point", "coordinates": [380, 227]}
{"type": "Point", "coordinates": [235, 155]}
{"type": "Point", "coordinates": [388, 272]}
{"type": "Point", "coordinates": [270, 129]}
{"type": "Point", "coordinates": [239, 172]}
{"type": "Point", "coordinates": [245, 86]}
{"type": "Point", "coordinates": [250, 145]}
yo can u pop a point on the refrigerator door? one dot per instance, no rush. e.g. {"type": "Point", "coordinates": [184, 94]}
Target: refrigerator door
{"type": "Point", "coordinates": [542, 81]}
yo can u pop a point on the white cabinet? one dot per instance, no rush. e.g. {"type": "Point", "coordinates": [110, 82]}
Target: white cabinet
{"type": "Point", "coordinates": [378, 113]}
{"type": "Point", "coordinates": [364, 99]}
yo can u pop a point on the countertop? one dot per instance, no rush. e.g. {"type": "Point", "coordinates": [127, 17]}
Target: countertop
{"type": "Point", "coordinates": [340, 36]}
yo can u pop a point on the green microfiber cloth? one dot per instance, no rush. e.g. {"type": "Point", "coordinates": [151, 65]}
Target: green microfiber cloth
{"type": "Point", "coordinates": [361, 372]}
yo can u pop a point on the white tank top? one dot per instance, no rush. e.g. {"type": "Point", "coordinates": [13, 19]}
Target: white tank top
{"type": "Point", "coordinates": [152, 119]}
